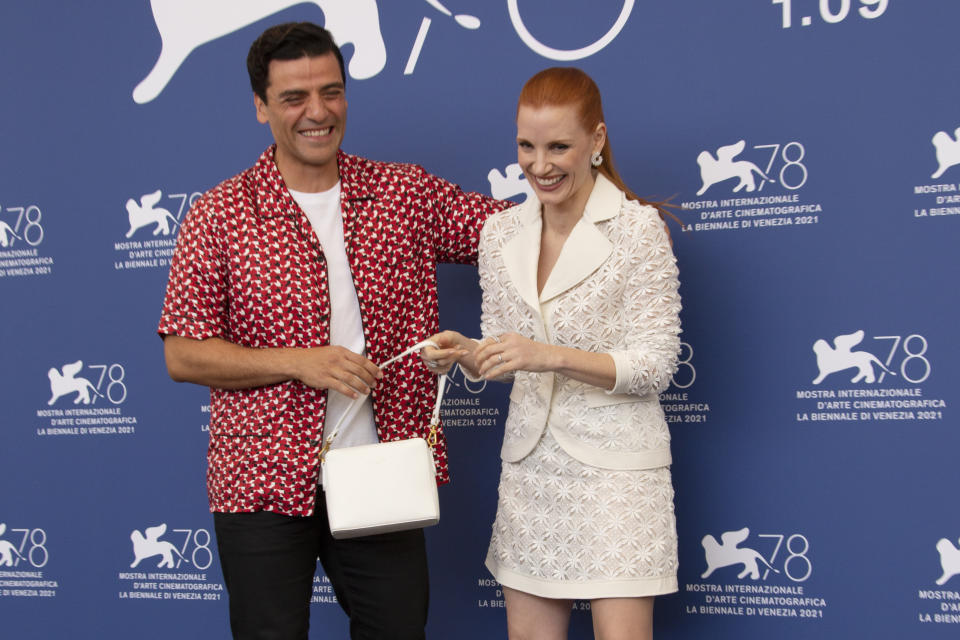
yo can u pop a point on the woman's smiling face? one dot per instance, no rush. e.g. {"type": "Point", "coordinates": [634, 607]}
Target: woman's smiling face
{"type": "Point", "coordinates": [554, 151]}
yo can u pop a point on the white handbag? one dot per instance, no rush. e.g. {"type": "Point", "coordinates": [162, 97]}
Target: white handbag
{"type": "Point", "coordinates": [383, 487]}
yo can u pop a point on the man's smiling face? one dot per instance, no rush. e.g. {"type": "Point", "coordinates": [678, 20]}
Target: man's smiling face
{"type": "Point", "coordinates": [306, 109]}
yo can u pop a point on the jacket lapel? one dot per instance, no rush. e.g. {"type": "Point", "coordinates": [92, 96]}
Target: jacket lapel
{"type": "Point", "coordinates": [584, 251]}
{"type": "Point", "coordinates": [587, 247]}
{"type": "Point", "coordinates": [521, 252]}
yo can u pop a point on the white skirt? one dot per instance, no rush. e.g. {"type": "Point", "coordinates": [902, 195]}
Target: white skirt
{"type": "Point", "coordinates": [565, 529]}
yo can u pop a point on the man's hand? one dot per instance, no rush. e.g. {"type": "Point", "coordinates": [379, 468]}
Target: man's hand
{"type": "Point", "coordinates": [335, 368]}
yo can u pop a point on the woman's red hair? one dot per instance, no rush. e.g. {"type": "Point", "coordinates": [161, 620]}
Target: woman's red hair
{"type": "Point", "coordinates": [563, 86]}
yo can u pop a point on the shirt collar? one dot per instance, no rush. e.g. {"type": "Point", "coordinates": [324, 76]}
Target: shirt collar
{"type": "Point", "coordinates": [274, 197]}
{"type": "Point", "coordinates": [354, 184]}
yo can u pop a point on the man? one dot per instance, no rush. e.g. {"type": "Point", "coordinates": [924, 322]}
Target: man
{"type": "Point", "coordinates": [289, 281]}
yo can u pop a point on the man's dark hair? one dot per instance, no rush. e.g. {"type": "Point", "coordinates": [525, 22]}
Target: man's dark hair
{"type": "Point", "coordinates": [288, 41]}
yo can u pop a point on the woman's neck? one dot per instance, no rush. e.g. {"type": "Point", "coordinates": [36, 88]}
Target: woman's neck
{"type": "Point", "coordinates": [563, 217]}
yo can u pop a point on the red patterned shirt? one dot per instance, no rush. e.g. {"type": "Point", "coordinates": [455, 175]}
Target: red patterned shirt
{"type": "Point", "coordinates": [248, 269]}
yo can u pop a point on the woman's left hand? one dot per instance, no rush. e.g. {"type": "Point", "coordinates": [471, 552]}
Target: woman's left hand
{"type": "Point", "coordinates": [511, 352]}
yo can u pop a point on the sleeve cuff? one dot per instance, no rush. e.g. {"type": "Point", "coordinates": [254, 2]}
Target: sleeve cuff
{"type": "Point", "coordinates": [195, 328]}
{"type": "Point", "coordinates": [622, 364]}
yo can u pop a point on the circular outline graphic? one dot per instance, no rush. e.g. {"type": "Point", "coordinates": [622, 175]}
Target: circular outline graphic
{"type": "Point", "coordinates": [567, 54]}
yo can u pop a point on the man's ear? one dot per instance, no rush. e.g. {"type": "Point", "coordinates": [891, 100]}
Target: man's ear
{"type": "Point", "coordinates": [261, 107]}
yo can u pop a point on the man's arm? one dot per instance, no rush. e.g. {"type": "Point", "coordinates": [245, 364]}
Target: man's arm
{"type": "Point", "coordinates": [215, 362]}
{"type": "Point", "coordinates": [459, 217]}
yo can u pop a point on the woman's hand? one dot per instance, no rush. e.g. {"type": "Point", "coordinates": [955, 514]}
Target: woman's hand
{"type": "Point", "coordinates": [511, 352]}
{"type": "Point", "coordinates": [451, 347]}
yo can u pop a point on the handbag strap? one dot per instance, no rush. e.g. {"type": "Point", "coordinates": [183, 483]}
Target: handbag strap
{"type": "Point", "coordinates": [354, 406]}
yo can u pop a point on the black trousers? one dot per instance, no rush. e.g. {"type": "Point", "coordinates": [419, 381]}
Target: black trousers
{"type": "Point", "coordinates": [269, 561]}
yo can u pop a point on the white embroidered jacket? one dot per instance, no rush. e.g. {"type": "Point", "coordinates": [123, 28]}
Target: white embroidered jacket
{"type": "Point", "coordinates": [614, 289]}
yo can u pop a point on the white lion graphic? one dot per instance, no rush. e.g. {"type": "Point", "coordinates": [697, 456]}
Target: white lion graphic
{"type": "Point", "coordinates": [948, 151]}
{"type": "Point", "coordinates": [7, 550]}
{"type": "Point", "coordinates": [725, 167]}
{"type": "Point", "coordinates": [509, 184]}
{"type": "Point", "coordinates": [185, 25]}
{"type": "Point", "coordinates": [728, 554]}
{"type": "Point", "coordinates": [6, 232]}
{"type": "Point", "coordinates": [949, 560]}
{"type": "Point", "coordinates": [148, 544]}
{"type": "Point", "coordinates": [146, 213]}
{"type": "Point", "coordinates": [68, 382]}
{"type": "Point", "coordinates": [839, 357]}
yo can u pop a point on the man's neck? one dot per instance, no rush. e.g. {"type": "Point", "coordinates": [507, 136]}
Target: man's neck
{"type": "Point", "coordinates": [307, 179]}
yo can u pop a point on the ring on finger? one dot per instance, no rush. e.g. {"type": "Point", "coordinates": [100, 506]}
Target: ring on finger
{"type": "Point", "coordinates": [500, 356]}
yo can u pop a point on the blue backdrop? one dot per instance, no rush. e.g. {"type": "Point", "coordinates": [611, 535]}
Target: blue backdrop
{"type": "Point", "coordinates": [813, 146]}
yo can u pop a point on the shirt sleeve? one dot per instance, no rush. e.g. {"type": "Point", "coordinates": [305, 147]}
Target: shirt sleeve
{"type": "Point", "coordinates": [652, 302]}
{"type": "Point", "coordinates": [195, 305]}
{"type": "Point", "coordinates": [459, 216]}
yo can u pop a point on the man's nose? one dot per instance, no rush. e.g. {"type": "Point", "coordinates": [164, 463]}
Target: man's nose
{"type": "Point", "coordinates": [316, 108]}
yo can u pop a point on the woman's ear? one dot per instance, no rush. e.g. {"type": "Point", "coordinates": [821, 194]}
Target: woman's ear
{"type": "Point", "coordinates": [600, 136]}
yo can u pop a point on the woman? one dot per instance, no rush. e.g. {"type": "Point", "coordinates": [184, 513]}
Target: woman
{"type": "Point", "coordinates": [580, 310]}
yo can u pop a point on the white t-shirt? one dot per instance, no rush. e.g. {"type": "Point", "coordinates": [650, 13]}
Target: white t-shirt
{"type": "Point", "coordinates": [346, 327]}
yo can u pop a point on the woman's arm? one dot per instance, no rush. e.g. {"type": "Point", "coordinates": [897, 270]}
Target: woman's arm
{"type": "Point", "coordinates": [512, 352]}
{"type": "Point", "coordinates": [652, 310]}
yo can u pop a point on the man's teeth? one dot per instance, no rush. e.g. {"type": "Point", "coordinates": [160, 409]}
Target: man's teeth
{"type": "Point", "coordinates": [317, 132]}
{"type": "Point", "coordinates": [549, 181]}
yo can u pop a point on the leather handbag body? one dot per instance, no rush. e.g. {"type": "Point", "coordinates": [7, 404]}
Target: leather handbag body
{"type": "Point", "coordinates": [383, 487]}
